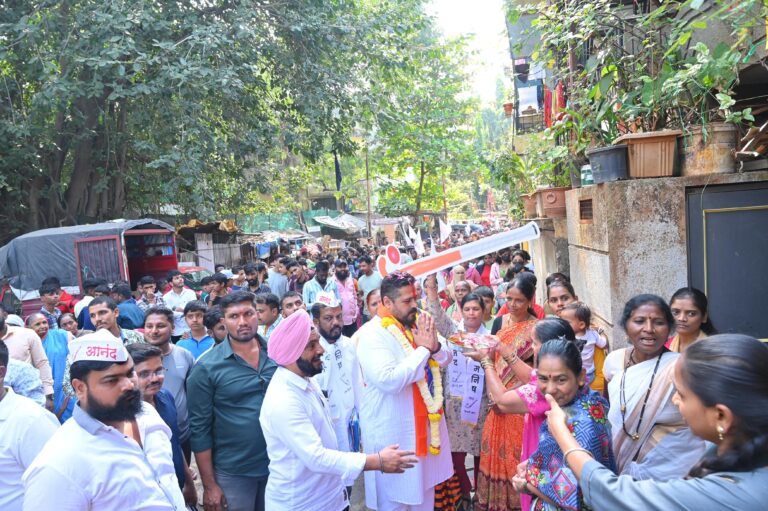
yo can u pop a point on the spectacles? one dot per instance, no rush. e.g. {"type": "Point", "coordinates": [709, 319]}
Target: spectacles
{"type": "Point", "coordinates": [146, 374]}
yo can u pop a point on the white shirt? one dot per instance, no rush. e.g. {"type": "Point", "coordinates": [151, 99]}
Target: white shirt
{"type": "Point", "coordinates": [340, 381]}
{"type": "Point", "coordinates": [88, 465]}
{"type": "Point", "coordinates": [306, 469]}
{"type": "Point", "coordinates": [25, 427]}
{"type": "Point", "coordinates": [173, 300]}
{"type": "Point", "coordinates": [386, 416]}
{"type": "Point", "coordinates": [80, 305]}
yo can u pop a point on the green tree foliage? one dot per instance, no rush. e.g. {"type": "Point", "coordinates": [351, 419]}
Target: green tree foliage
{"type": "Point", "coordinates": [422, 127]}
{"type": "Point", "coordinates": [114, 106]}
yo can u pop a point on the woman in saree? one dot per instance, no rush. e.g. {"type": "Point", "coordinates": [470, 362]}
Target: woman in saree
{"type": "Point", "coordinates": [503, 433]}
{"type": "Point", "coordinates": [466, 404]}
{"type": "Point", "coordinates": [545, 475]}
{"type": "Point", "coordinates": [526, 399]}
{"type": "Point", "coordinates": [722, 393]}
{"type": "Point", "coordinates": [650, 437]}
{"type": "Point", "coordinates": [56, 346]}
{"type": "Point", "coordinates": [689, 307]}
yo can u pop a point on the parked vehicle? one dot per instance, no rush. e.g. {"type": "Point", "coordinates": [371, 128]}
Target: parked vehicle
{"type": "Point", "coordinates": [119, 250]}
{"type": "Point", "coordinates": [193, 275]}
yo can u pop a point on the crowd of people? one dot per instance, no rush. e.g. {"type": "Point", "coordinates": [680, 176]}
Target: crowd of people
{"type": "Point", "coordinates": [287, 381]}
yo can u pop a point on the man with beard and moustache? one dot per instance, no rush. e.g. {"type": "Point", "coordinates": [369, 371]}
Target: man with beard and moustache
{"type": "Point", "coordinates": [256, 274]}
{"type": "Point", "coordinates": [347, 291]}
{"type": "Point", "coordinates": [318, 284]}
{"type": "Point", "coordinates": [340, 378]}
{"type": "Point", "coordinates": [103, 312]}
{"type": "Point", "coordinates": [307, 468]}
{"type": "Point", "coordinates": [115, 452]}
{"type": "Point", "coordinates": [178, 362]}
{"type": "Point", "coordinates": [400, 360]}
{"type": "Point", "coordinates": [226, 389]}
{"type": "Point", "coordinates": [150, 375]}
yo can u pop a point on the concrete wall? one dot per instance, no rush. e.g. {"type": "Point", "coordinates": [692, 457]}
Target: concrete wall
{"type": "Point", "coordinates": [549, 253]}
{"type": "Point", "coordinates": [636, 242]}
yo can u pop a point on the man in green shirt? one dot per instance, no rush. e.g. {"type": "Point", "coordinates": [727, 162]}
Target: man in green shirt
{"type": "Point", "coordinates": [225, 391]}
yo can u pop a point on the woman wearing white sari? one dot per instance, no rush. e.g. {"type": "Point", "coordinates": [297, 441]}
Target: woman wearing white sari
{"type": "Point", "coordinates": [466, 403]}
{"type": "Point", "coordinates": [650, 437]}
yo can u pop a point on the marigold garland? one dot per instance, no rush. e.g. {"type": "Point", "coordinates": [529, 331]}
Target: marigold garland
{"type": "Point", "coordinates": [434, 403]}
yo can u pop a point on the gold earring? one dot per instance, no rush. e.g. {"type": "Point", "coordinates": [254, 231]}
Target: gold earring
{"type": "Point", "coordinates": [720, 432]}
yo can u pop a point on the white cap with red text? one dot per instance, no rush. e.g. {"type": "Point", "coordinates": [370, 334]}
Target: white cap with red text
{"type": "Point", "coordinates": [100, 346]}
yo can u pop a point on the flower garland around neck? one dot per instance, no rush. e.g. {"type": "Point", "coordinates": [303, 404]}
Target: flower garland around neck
{"type": "Point", "coordinates": [433, 402]}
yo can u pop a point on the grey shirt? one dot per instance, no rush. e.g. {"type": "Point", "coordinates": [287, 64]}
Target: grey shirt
{"type": "Point", "coordinates": [178, 363]}
{"type": "Point", "coordinates": [736, 491]}
{"type": "Point", "coordinates": [368, 283]}
{"type": "Point", "coordinates": [278, 283]}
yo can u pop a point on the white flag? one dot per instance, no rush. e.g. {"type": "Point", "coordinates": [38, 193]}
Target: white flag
{"type": "Point", "coordinates": [411, 233]}
{"type": "Point", "coordinates": [418, 244]}
{"type": "Point", "coordinates": [445, 231]}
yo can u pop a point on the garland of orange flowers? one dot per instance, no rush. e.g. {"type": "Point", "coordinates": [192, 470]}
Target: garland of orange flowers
{"type": "Point", "coordinates": [434, 403]}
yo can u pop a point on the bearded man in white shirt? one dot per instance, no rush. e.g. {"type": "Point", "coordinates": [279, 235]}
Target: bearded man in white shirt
{"type": "Point", "coordinates": [115, 451]}
{"type": "Point", "coordinates": [340, 378]}
{"type": "Point", "coordinates": [307, 470]}
{"type": "Point", "coordinates": [402, 403]}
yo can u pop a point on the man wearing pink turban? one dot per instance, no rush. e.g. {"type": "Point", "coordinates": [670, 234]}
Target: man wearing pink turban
{"type": "Point", "coordinates": [307, 471]}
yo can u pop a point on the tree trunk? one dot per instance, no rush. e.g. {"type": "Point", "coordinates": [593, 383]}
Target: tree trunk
{"type": "Point", "coordinates": [82, 168]}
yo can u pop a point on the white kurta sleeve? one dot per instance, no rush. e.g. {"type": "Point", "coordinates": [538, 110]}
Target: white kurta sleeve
{"type": "Point", "coordinates": [293, 427]}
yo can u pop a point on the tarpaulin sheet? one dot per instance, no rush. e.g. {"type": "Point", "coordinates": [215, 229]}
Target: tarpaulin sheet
{"type": "Point", "coordinates": [32, 257]}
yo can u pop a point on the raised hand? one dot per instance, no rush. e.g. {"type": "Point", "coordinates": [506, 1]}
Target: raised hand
{"type": "Point", "coordinates": [425, 333]}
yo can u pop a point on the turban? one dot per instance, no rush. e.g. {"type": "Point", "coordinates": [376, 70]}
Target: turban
{"type": "Point", "coordinates": [288, 340]}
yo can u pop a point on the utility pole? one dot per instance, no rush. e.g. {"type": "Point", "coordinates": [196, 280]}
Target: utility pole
{"type": "Point", "coordinates": [445, 201]}
{"type": "Point", "coordinates": [368, 190]}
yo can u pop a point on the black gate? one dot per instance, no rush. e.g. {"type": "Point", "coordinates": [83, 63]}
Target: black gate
{"type": "Point", "coordinates": [728, 254]}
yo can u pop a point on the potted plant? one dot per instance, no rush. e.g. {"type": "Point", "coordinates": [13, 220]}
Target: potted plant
{"type": "Point", "coordinates": [509, 168]}
{"type": "Point", "coordinates": [541, 176]}
{"type": "Point", "coordinates": [653, 69]}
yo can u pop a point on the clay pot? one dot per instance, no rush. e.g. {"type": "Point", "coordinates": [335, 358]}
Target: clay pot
{"type": "Point", "coordinates": [529, 203]}
{"type": "Point", "coordinates": [552, 202]}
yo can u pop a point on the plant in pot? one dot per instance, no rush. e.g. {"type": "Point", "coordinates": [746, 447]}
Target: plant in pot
{"type": "Point", "coordinates": [589, 138]}
{"type": "Point", "coordinates": [510, 168]}
{"type": "Point", "coordinates": [536, 177]}
{"type": "Point", "coordinates": [550, 169]}
{"type": "Point", "coordinates": [642, 71]}
{"type": "Point", "coordinates": [686, 85]}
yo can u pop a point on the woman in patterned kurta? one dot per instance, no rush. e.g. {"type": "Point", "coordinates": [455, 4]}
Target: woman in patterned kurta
{"type": "Point", "coordinates": [547, 476]}
{"type": "Point", "coordinates": [503, 433]}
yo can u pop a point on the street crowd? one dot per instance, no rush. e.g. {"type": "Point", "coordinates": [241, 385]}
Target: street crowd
{"type": "Point", "coordinates": [287, 379]}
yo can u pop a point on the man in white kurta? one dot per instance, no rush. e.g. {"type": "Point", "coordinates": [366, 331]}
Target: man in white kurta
{"type": "Point", "coordinates": [387, 408]}
{"type": "Point", "coordinates": [340, 379]}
